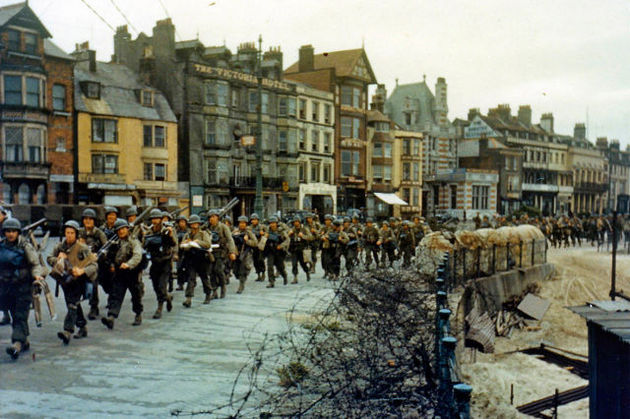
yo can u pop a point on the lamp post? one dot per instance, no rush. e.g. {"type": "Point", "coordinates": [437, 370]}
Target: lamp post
{"type": "Point", "coordinates": [258, 201]}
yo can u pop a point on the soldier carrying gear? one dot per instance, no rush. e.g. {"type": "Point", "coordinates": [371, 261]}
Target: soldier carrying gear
{"type": "Point", "coordinates": [181, 229]}
{"type": "Point", "coordinates": [351, 250]}
{"type": "Point", "coordinates": [94, 238]}
{"type": "Point", "coordinates": [388, 239]}
{"type": "Point", "coordinates": [417, 228]}
{"type": "Point", "coordinates": [138, 229]}
{"type": "Point", "coordinates": [406, 242]}
{"type": "Point", "coordinates": [75, 268]}
{"type": "Point", "coordinates": [160, 242]}
{"type": "Point", "coordinates": [333, 242]}
{"type": "Point", "coordinates": [326, 228]}
{"type": "Point", "coordinates": [111, 215]}
{"type": "Point", "coordinates": [313, 226]}
{"type": "Point", "coordinates": [6, 318]}
{"type": "Point", "coordinates": [245, 241]}
{"type": "Point", "coordinates": [195, 247]}
{"type": "Point", "coordinates": [127, 276]}
{"type": "Point", "coordinates": [19, 267]}
{"type": "Point", "coordinates": [372, 238]}
{"type": "Point", "coordinates": [221, 235]}
{"type": "Point", "coordinates": [258, 257]}
{"type": "Point", "coordinates": [276, 244]}
{"type": "Point", "coordinates": [299, 237]}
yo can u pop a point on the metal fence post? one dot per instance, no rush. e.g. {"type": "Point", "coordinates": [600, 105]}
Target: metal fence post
{"type": "Point", "coordinates": [494, 259]}
{"type": "Point", "coordinates": [462, 399]}
{"type": "Point", "coordinates": [533, 251]}
{"type": "Point", "coordinates": [520, 256]}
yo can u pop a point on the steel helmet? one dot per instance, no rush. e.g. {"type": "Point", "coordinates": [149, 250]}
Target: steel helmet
{"type": "Point", "coordinates": [155, 213]}
{"type": "Point", "coordinates": [131, 211]}
{"type": "Point", "coordinates": [120, 223]}
{"type": "Point", "coordinates": [12, 224]}
{"type": "Point", "coordinates": [88, 213]}
{"type": "Point", "coordinates": [194, 219]}
{"type": "Point", "coordinates": [71, 224]}
{"type": "Point", "coordinates": [243, 218]}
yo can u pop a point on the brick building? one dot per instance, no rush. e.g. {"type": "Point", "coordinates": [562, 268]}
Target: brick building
{"type": "Point", "coordinates": [36, 112]}
{"type": "Point", "coordinates": [347, 74]}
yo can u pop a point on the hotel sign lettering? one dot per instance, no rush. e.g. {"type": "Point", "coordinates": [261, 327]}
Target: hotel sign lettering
{"type": "Point", "coordinates": [224, 74]}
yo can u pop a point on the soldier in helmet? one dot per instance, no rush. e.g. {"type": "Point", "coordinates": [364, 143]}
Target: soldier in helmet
{"type": "Point", "coordinates": [227, 220]}
{"type": "Point", "coordinates": [259, 259]}
{"type": "Point", "coordinates": [226, 251]}
{"type": "Point", "coordinates": [19, 267]}
{"type": "Point", "coordinates": [127, 276]}
{"type": "Point", "coordinates": [111, 215]}
{"type": "Point", "coordinates": [196, 259]}
{"type": "Point", "coordinates": [6, 317]}
{"type": "Point", "coordinates": [277, 243]}
{"type": "Point", "coordinates": [245, 241]}
{"type": "Point", "coordinates": [74, 267]}
{"type": "Point", "coordinates": [417, 228]}
{"type": "Point", "coordinates": [351, 249]}
{"type": "Point", "coordinates": [94, 238]}
{"type": "Point", "coordinates": [313, 226]}
{"type": "Point", "coordinates": [333, 242]}
{"type": "Point", "coordinates": [181, 228]}
{"type": "Point", "coordinates": [325, 229]}
{"type": "Point", "coordinates": [160, 242]}
{"type": "Point", "coordinates": [299, 238]}
{"type": "Point", "coordinates": [131, 214]}
{"type": "Point", "coordinates": [372, 237]}
{"type": "Point", "coordinates": [406, 242]}
{"type": "Point", "coordinates": [388, 240]}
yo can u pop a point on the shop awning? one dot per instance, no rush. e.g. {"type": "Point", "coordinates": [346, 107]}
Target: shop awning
{"type": "Point", "coordinates": [390, 198]}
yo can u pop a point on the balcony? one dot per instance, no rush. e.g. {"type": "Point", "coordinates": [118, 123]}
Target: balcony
{"type": "Point", "coordinates": [25, 170]}
{"type": "Point", "coordinates": [250, 182]}
{"type": "Point", "coordinates": [590, 187]}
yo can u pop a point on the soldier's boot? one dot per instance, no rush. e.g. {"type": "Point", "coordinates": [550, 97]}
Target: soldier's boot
{"type": "Point", "coordinates": [81, 333]}
{"type": "Point", "coordinates": [169, 303]}
{"type": "Point", "coordinates": [285, 280]}
{"type": "Point", "coordinates": [14, 350]}
{"type": "Point", "coordinates": [108, 321]}
{"type": "Point", "coordinates": [271, 284]}
{"type": "Point", "coordinates": [170, 285]}
{"type": "Point", "coordinates": [308, 276]}
{"type": "Point", "coordinates": [215, 293]}
{"type": "Point", "coordinates": [223, 291]}
{"type": "Point", "coordinates": [261, 277]}
{"type": "Point", "coordinates": [180, 287]}
{"type": "Point", "coordinates": [93, 314]}
{"type": "Point", "coordinates": [188, 302]}
{"type": "Point", "coordinates": [6, 318]}
{"type": "Point", "coordinates": [208, 299]}
{"type": "Point", "coordinates": [65, 336]}
{"type": "Point", "coordinates": [295, 281]}
{"type": "Point", "coordinates": [137, 321]}
{"type": "Point", "coordinates": [241, 287]}
{"type": "Point", "coordinates": [158, 311]}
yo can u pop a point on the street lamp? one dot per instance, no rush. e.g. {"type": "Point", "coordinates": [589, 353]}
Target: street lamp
{"type": "Point", "coordinates": [258, 201]}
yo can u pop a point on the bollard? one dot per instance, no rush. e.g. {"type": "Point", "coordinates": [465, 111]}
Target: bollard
{"type": "Point", "coordinates": [447, 353]}
{"type": "Point", "coordinates": [440, 284]}
{"type": "Point", "coordinates": [444, 325]}
{"type": "Point", "coordinates": [462, 399]}
{"type": "Point", "coordinates": [441, 299]}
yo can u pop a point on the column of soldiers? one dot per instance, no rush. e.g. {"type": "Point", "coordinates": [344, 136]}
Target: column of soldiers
{"type": "Point", "coordinates": [92, 264]}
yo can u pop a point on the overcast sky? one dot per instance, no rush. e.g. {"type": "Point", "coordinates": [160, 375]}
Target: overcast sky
{"type": "Point", "coordinates": [569, 57]}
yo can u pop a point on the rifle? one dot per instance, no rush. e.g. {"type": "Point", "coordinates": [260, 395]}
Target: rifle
{"type": "Point", "coordinates": [178, 211]}
{"type": "Point", "coordinates": [228, 207]}
{"type": "Point", "coordinates": [104, 248]}
{"type": "Point", "coordinates": [33, 226]}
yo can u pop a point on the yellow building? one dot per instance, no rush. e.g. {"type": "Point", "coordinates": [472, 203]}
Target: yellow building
{"type": "Point", "coordinates": [126, 137]}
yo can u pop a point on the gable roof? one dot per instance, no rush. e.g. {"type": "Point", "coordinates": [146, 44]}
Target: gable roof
{"type": "Point", "coordinates": [343, 62]}
{"type": "Point", "coordinates": [20, 14]}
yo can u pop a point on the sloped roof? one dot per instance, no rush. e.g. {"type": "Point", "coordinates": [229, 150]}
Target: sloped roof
{"type": "Point", "coordinates": [52, 50]}
{"type": "Point", "coordinates": [420, 94]}
{"type": "Point", "coordinates": [342, 61]}
{"type": "Point", "coordinates": [194, 43]}
{"type": "Point", "coordinates": [118, 93]}
{"type": "Point", "coordinates": [10, 12]}
{"type": "Point", "coordinates": [375, 115]}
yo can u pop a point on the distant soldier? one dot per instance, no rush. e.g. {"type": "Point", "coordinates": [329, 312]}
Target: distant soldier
{"type": "Point", "coordinates": [221, 235]}
{"type": "Point", "coordinates": [477, 221]}
{"type": "Point", "coordinates": [105, 275]}
{"type": "Point", "coordinates": [137, 232]}
{"type": "Point", "coordinates": [74, 267]}
{"type": "Point", "coordinates": [6, 317]}
{"type": "Point", "coordinates": [417, 229]}
{"type": "Point", "coordinates": [299, 237]}
{"type": "Point", "coordinates": [160, 242]}
{"type": "Point", "coordinates": [259, 259]}
{"type": "Point", "coordinates": [180, 230]}
{"type": "Point", "coordinates": [227, 266]}
{"type": "Point", "coordinates": [313, 226]}
{"type": "Point", "coordinates": [388, 239]}
{"type": "Point", "coordinates": [277, 244]}
{"type": "Point", "coordinates": [196, 259]}
{"type": "Point", "coordinates": [325, 229]}
{"type": "Point", "coordinates": [406, 242]}
{"type": "Point", "coordinates": [356, 224]}
{"type": "Point", "coordinates": [372, 238]}
{"type": "Point", "coordinates": [333, 242]}
{"type": "Point", "coordinates": [127, 276]}
{"type": "Point", "coordinates": [19, 267]}
{"type": "Point", "coordinates": [95, 238]}
{"type": "Point", "coordinates": [245, 241]}
{"type": "Point", "coordinates": [351, 249]}
{"type": "Point", "coordinates": [111, 215]}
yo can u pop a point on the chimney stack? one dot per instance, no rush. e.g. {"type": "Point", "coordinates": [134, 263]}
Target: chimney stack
{"type": "Point", "coordinates": [579, 131]}
{"type": "Point", "coordinates": [307, 59]}
{"type": "Point", "coordinates": [472, 112]}
{"type": "Point", "coordinates": [83, 52]}
{"type": "Point", "coordinates": [525, 115]}
{"type": "Point", "coordinates": [546, 122]}
{"type": "Point", "coordinates": [378, 98]}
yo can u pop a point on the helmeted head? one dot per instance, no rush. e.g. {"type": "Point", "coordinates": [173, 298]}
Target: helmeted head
{"type": "Point", "coordinates": [71, 231]}
{"type": "Point", "coordinates": [111, 215]}
{"type": "Point", "coordinates": [156, 215]}
{"type": "Point", "coordinates": [296, 221]}
{"type": "Point", "coordinates": [242, 222]}
{"type": "Point", "coordinates": [194, 221]}
{"type": "Point", "coordinates": [213, 216]}
{"type": "Point", "coordinates": [122, 228]}
{"type": "Point", "coordinates": [369, 221]}
{"type": "Point", "coordinates": [273, 222]}
{"type": "Point", "coordinates": [11, 229]}
{"type": "Point", "coordinates": [88, 217]}
{"type": "Point", "coordinates": [131, 211]}
{"type": "Point", "coordinates": [337, 223]}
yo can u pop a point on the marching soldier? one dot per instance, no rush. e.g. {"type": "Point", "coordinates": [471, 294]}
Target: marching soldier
{"type": "Point", "coordinates": [160, 242]}
{"type": "Point", "coordinates": [74, 266]}
{"type": "Point", "coordinates": [406, 242]}
{"type": "Point", "coordinates": [19, 266]}
{"type": "Point", "coordinates": [6, 318]}
{"type": "Point", "coordinates": [196, 247]}
{"type": "Point", "coordinates": [417, 228]}
{"type": "Point", "coordinates": [245, 241]}
{"type": "Point", "coordinates": [111, 215]}
{"type": "Point", "coordinates": [299, 237]}
{"type": "Point", "coordinates": [138, 230]}
{"type": "Point", "coordinates": [314, 228]}
{"type": "Point", "coordinates": [351, 252]}
{"type": "Point", "coordinates": [95, 238]}
{"type": "Point", "coordinates": [259, 259]}
{"type": "Point", "coordinates": [388, 240]}
{"type": "Point", "coordinates": [180, 230]}
{"type": "Point", "coordinates": [333, 242]}
{"type": "Point", "coordinates": [359, 228]}
{"type": "Point", "coordinates": [372, 242]}
{"type": "Point", "coordinates": [222, 235]}
{"type": "Point", "coordinates": [277, 243]}
{"type": "Point", "coordinates": [325, 229]}
{"type": "Point", "coordinates": [127, 276]}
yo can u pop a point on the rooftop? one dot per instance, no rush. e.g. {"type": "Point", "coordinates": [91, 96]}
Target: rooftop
{"type": "Point", "coordinates": [611, 316]}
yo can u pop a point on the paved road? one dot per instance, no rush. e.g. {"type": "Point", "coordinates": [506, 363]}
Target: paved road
{"type": "Point", "coordinates": [187, 360]}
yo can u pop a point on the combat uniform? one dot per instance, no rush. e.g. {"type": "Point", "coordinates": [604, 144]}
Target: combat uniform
{"type": "Point", "coordinates": [277, 243]}
{"type": "Point", "coordinates": [258, 258]}
{"type": "Point", "coordinates": [95, 238]}
{"type": "Point", "coordinates": [388, 239]}
{"type": "Point", "coordinates": [314, 228]}
{"type": "Point", "coordinates": [406, 243]}
{"type": "Point", "coordinates": [299, 241]}
{"type": "Point", "coordinates": [161, 242]}
{"type": "Point", "coordinates": [351, 249]}
{"type": "Point", "coordinates": [372, 238]}
{"type": "Point", "coordinates": [181, 269]}
{"type": "Point", "coordinates": [333, 242]}
{"type": "Point", "coordinates": [246, 243]}
{"type": "Point", "coordinates": [221, 235]}
{"type": "Point", "coordinates": [196, 261]}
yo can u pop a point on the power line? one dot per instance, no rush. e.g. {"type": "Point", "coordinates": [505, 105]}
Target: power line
{"type": "Point", "coordinates": [124, 16]}
{"type": "Point", "coordinates": [99, 16]}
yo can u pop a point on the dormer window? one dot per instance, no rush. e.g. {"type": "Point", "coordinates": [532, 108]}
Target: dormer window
{"type": "Point", "coordinates": [146, 98]}
{"type": "Point", "coordinates": [14, 40]}
{"type": "Point", "coordinates": [30, 43]}
{"type": "Point", "coordinates": [92, 90]}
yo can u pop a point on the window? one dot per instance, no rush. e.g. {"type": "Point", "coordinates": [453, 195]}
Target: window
{"type": "Point", "coordinates": [292, 143]}
{"type": "Point", "coordinates": [104, 163]}
{"type": "Point", "coordinates": [315, 141]}
{"type": "Point", "coordinates": [387, 173]}
{"type": "Point", "coordinates": [104, 130]}
{"type": "Point", "coordinates": [416, 147]}
{"type": "Point", "coordinates": [315, 108]}
{"type": "Point", "coordinates": [327, 170]}
{"type": "Point", "coordinates": [406, 194]}
{"type": "Point", "coordinates": [407, 118]}
{"type": "Point", "coordinates": [211, 135]}
{"type": "Point", "coordinates": [356, 125]}
{"type": "Point", "coordinates": [302, 109]}
{"type": "Point", "coordinates": [146, 98]}
{"type": "Point", "coordinates": [416, 172]}
{"type": "Point", "coordinates": [14, 40]}
{"type": "Point", "coordinates": [59, 97]}
{"type": "Point", "coordinates": [406, 171]}
{"type": "Point", "coordinates": [346, 95]}
{"type": "Point", "coordinates": [416, 197]}
{"type": "Point", "coordinates": [315, 165]}
{"type": "Point", "coordinates": [35, 145]}
{"type": "Point", "coordinates": [61, 145]}
{"type": "Point", "coordinates": [302, 144]}
{"type": "Point", "coordinates": [377, 173]}
{"type": "Point", "coordinates": [148, 135]}
{"type": "Point", "coordinates": [93, 90]}
{"type": "Point", "coordinates": [211, 172]}
{"type": "Point", "coordinates": [282, 141]}
{"type": "Point", "coordinates": [355, 163]}
{"type": "Point", "coordinates": [13, 90]}
{"type": "Point", "coordinates": [32, 92]}
{"type": "Point", "coordinates": [406, 146]}
{"type": "Point", "coordinates": [253, 100]}
{"type": "Point", "coordinates": [480, 197]}
{"type": "Point", "coordinates": [235, 98]}
{"type": "Point", "coordinates": [302, 171]}
{"type": "Point", "coordinates": [346, 163]}
{"type": "Point", "coordinates": [159, 139]}
{"type": "Point", "coordinates": [148, 171]}
{"type": "Point", "coordinates": [327, 114]}
{"type": "Point", "coordinates": [327, 141]}
{"type": "Point", "coordinates": [346, 126]}
{"type": "Point", "coordinates": [378, 150]}
{"type": "Point", "coordinates": [160, 171]}
{"type": "Point", "coordinates": [14, 144]}
{"type": "Point", "coordinates": [265, 103]}
{"type": "Point", "coordinates": [30, 43]}
{"type": "Point", "coordinates": [282, 106]}
{"type": "Point", "coordinates": [356, 97]}
{"type": "Point", "coordinates": [387, 149]}
{"type": "Point", "coordinates": [382, 127]}
{"type": "Point", "coordinates": [291, 106]}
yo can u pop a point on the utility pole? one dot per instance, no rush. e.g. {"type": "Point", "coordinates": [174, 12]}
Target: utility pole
{"type": "Point", "coordinates": [258, 201]}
